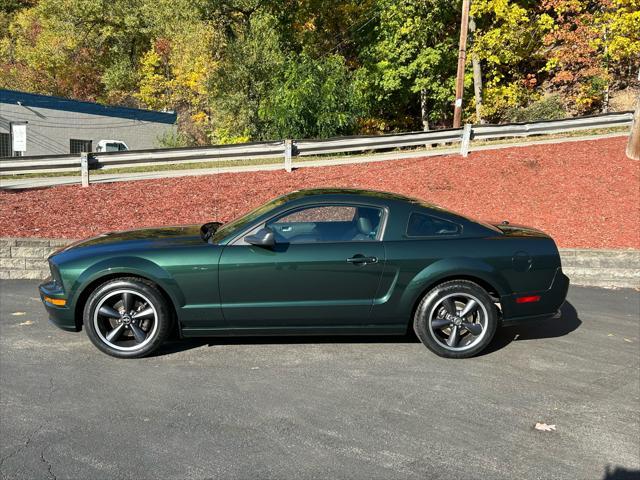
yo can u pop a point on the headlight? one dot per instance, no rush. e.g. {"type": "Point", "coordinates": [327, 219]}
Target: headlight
{"type": "Point", "coordinates": [55, 273]}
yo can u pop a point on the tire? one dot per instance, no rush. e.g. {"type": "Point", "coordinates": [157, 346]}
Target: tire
{"type": "Point", "coordinates": [453, 335]}
{"type": "Point", "coordinates": [127, 334]}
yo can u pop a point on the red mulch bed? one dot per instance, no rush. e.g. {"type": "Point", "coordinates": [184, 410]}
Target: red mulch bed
{"type": "Point", "coordinates": [585, 194]}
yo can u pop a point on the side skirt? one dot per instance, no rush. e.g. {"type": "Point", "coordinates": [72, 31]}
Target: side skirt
{"type": "Point", "coordinates": [333, 330]}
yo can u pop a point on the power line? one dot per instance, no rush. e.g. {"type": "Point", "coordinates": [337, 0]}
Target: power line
{"type": "Point", "coordinates": [350, 28]}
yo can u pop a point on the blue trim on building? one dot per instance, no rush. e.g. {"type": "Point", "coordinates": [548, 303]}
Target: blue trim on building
{"type": "Point", "coordinates": [35, 100]}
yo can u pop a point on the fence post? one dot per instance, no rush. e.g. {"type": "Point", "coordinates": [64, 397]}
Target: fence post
{"type": "Point", "coordinates": [466, 140]}
{"type": "Point", "coordinates": [288, 146]}
{"type": "Point", "coordinates": [633, 145]}
{"type": "Point", "coordinates": [84, 168]}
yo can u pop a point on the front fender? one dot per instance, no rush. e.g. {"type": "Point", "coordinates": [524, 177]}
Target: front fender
{"type": "Point", "coordinates": [450, 268]}
{"type": "Point", "coordinates": [128, 265]}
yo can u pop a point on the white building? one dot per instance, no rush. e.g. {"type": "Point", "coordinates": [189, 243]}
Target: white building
{"type": "Point", "coordinates": [55, 125]}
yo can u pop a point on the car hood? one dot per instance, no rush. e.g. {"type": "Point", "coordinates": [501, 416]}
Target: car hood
{"type": "Point", "coordinates": [144, 237]}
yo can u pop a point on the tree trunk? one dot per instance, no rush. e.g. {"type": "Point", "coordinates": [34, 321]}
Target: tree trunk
{"type": "Point", "coordinates": [605, 102]}
{"type": "Point", "coordinates": [477, 75]}
{"type": "Point", "coordinates": [633, 147]}
{"type": "Point", "coordinates": [423, 110]}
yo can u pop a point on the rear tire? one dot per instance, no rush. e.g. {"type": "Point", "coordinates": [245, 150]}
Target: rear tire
{"type": "Point", "coordinates": [456, 319]}
{"type": "Point", "coordinates": [127, 317]}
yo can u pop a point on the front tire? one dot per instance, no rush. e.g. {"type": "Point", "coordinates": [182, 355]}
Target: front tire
{"type": "Point", "coordinates": [456, 319]}
{"type": "Point", "coordinates": [127, 318]}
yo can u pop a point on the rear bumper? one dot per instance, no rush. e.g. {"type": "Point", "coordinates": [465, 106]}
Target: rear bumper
{"type": "Point", "coordinates": [508, 322]}
{"type": "Point", "coordinates": [61, 317]}
{"type": "Point", "coordinates": [548, 306]}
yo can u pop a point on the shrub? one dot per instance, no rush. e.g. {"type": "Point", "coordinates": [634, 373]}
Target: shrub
{"type": "Point", "coordinates": [546, 108]}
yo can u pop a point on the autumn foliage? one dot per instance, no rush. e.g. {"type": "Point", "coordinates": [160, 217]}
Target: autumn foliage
{"type": "Point", "coordinates": [238, 70]}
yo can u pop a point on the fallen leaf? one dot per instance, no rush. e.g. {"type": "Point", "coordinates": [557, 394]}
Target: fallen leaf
{"type": "Point", "coordinates": [611, 335]}
{"type": "Point", "coordinates": [18, 314]}
{"type": "Point", "coordinates": [628, 340]}
{"type": "Point", "coordinates": [27, 322]}
{"type": "Point", "coordinates": [543, 427]}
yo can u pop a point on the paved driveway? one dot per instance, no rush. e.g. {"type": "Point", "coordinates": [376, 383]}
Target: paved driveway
{"type": "Point", "coordinates": [325, 408]}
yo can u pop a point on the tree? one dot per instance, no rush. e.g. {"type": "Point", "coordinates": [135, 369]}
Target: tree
{"type": "Point", "coordinates": [175, 75]}
{"type": "Point", "coordinates": [312, 98]}
{"type": "Point", "coordinates": [591, 46]}
{"type": "Point", "coordinates": [411, 60]}
{"type": "Point", "coordinates": [506, 42]}
{"type": "Point", "coordinates": [252, 61]}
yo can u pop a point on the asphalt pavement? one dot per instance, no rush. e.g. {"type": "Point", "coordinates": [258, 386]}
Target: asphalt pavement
{"type": "Point", "coordinates": [329, 407]}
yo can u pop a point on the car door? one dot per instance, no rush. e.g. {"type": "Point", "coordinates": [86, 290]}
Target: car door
{"type": "Point", "coordinates": [321, 275]}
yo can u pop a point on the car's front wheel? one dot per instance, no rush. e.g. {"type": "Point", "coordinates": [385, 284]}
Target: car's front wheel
{"type": "Point", "coordinates": [127, 317]}
{"type": "Point", "coordinates": [456, 319]}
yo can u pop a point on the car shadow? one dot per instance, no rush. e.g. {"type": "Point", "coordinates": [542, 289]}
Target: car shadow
{"type": "Point", "coordinates": [175, 346]}
{"type": "Point", "coordinates": [553, 327]}
{"type": "Point", "coordinates": [620, 473]}
{"type": "Point", "coordinates": [536, 329]}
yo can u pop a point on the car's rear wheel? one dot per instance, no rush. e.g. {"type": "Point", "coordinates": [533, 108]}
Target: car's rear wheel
{"type": "Point", "coordinates": [456, 319]}
{"type": "Point", "coordinates": [127, 317]}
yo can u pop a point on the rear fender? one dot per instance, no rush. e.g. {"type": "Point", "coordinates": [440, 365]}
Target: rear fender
{"type": "Point", "coordinates": [449, 269]}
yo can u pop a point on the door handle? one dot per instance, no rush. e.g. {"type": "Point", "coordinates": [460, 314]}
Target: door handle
{"type": "Point", "coordinates": [286, 229]}
{"type": "Point", "coordinates": [362, 260]}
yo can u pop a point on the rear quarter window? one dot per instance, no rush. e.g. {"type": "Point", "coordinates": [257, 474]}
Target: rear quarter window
{"type": "Point", "coordinates": [423, 225]}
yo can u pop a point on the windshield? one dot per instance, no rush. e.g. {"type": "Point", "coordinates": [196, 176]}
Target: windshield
{"type": "Point", "coordinates": [236, 225]}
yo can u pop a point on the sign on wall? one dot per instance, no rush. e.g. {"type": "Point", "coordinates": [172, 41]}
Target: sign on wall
{"type": "Point", "coordinates": [19, 136]}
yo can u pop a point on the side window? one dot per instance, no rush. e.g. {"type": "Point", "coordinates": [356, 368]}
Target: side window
{"type": "Point", "coordinates": [421, 225]}
{"type": "Point", "coordinates": [320, 214]}
{"type": "Point", "coordinates": [328, 223]}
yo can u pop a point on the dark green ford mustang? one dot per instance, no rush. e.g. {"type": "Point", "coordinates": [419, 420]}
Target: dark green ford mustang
{"type": "Point", "coordinates": [326, 261]}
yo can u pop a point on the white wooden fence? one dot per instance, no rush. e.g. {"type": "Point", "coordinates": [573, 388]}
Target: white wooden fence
{"type": "Point", "coordinates": [289, 149]}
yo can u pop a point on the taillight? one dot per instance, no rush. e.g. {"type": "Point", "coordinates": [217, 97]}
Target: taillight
{"type": "Point", "coordinates": [528, 299]}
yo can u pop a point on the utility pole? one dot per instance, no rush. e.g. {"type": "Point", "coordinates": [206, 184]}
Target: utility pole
{"type": "Point", "coordinates": [462, 53]}
{"type": "Point", "coordinates": [477, 75]}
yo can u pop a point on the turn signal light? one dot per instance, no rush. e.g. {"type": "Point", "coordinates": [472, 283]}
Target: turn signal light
{"type": "Point", "coordinates": [60, 302]}
{"type": "Point", "coordinates": [528, 299]}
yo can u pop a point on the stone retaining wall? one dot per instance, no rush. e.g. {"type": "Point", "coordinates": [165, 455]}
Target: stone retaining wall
{"type": "Point", "coordinates": [26, 258]}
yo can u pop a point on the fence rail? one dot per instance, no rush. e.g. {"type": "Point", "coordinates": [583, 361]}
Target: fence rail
{"type": "Point", "coordinates": [288, 149]}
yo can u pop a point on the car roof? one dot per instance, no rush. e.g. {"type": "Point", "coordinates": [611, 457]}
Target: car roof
{"type": "Point", "coordinates": [375, 197]}
{"type": "Point", "coordinates": [349, 193]}
{"type": "Point", "coordinates": [353, 194]}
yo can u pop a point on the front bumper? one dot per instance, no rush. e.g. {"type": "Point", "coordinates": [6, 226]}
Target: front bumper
{"type": "Point", "coordinates": [61, 317]}
{"type": "Point", "coordinates": [548, 306]}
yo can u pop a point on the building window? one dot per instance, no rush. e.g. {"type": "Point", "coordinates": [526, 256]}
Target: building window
{"type": "Point", "coordinates": [79, 146]}
{"type": "Point", "coordinates": [5, 144]}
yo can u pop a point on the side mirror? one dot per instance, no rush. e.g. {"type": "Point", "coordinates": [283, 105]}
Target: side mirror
{"type": "Point", "coordinates": [208, 229]}
{"type": "Point", "coordinates": [262, 238]}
